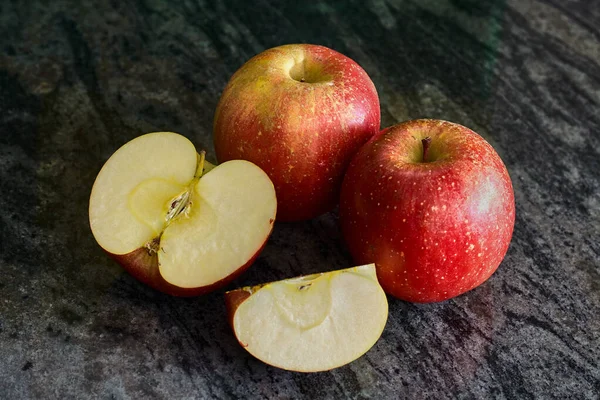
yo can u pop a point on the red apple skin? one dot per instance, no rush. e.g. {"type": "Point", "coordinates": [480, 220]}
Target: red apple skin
{"type": "Point", "coordinates": [233, 299]}
{"type": "Point", "coordinates": [302, 134]}
{"type": "Point", "coordinates": [437, 229]}
{"type": "Point", "coordinates": [143, 266]}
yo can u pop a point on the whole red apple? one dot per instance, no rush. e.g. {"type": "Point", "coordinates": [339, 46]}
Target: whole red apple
{"type": "Point", "coordinates": [432, 204]}
{"type": "Point", "coordinates": [300, 112]}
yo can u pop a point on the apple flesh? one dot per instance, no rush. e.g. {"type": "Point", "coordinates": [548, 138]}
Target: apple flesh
{"type": "Point", "coordinates": [299, 112]}
{"type": "Point", "coordinates": [174, 221]}
{"type": "Point", "coordinates": [311, 323]}
{"type": "Point", "coordinates": [432, 204]}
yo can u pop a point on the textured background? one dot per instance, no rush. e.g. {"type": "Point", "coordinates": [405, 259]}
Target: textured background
{"type": "Point", "coordinates": [78, 79]}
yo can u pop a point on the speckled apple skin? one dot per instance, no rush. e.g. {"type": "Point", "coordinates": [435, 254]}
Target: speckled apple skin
{"type": "Point", "coordinates": [437, 229]}
{"type": "Point", "coordinates": [303, 135]}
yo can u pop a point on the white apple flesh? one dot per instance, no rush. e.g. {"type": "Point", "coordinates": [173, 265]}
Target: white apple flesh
{"type": "Point", "coordinates": [311, 323]}
{"type": "Point", "coordinates": [175, 222]}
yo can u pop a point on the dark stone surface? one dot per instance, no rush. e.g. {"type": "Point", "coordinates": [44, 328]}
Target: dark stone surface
{"type": "Point", "coordinates": [79, 79]}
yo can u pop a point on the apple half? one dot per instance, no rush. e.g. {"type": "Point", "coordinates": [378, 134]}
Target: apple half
{"type": "Point", "coordinates": [311, 323]}
{"type": "Point", "coordinates": [176, 222]}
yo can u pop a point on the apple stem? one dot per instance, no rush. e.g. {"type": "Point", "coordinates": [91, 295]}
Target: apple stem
{"type": "Point", "coordinates": [200, 165]}
{"type": "Point", "coordinates": [425, 142]}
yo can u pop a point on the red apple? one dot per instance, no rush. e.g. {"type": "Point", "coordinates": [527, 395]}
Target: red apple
{"type": "Point", "coordinates": [431, 203]}
{"type": "Point", "coordinates": [300, 112]}
{"type": "Point", "coordinates": [175, 222]}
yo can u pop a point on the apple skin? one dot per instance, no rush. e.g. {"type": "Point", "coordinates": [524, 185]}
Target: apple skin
{"type": "Point", "coordinates": [143, 266]}
{"type": "Point", "coordinates": [436, 229]}
{"type": "Point", "coordinates": [302, 134]}
{"type": "Point", "coordinates": [233, 299]}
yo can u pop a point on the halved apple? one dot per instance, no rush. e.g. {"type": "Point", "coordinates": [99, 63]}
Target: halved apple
{"type": "Point", "coordinates": [312, 323]}
{"type": "Point", "coordinates": [176, 222]}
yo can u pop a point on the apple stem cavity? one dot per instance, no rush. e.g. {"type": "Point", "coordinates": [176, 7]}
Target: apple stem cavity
{"type": "Point", "coordinates": [425, 142]}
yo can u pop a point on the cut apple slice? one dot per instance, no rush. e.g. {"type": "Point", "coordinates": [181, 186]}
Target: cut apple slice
{"type": "Point", "coordinates": [176, 222]}
{"type": "Point", "coordinates": [311, 323]}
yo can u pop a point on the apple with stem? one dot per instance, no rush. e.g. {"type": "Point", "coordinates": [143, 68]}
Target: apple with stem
{"type": "Point", "coordinates": [174, 221]}
{"type": "Point", "coordinates": [311, 323]}
{"type": "Point", "coordinates": [432, 205]}
{"type": "Point", "coordinates": [299, 112]}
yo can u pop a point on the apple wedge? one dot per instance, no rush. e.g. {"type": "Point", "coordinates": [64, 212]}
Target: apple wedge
{"type": "Point", "coordinates": [310, 323]}
{"type": "Point", "coordinates": [174, 221]}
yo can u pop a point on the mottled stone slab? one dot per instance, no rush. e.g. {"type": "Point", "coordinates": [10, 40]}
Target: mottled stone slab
{"type": "Point", "coordinates": [79, 79]}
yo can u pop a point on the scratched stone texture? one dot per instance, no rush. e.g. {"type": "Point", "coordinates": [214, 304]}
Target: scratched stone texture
{"type": "Point", "coordinates": [80, 78]}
